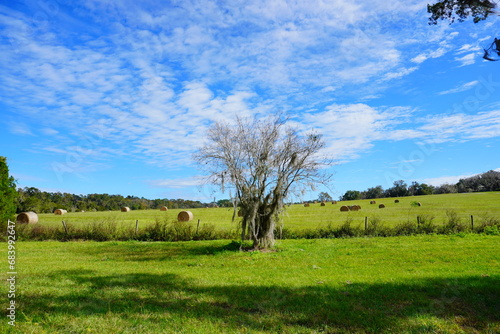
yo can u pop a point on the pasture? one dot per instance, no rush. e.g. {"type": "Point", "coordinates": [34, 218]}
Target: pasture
{"type": "Point", "coordinates": [297, 217]}
{"type": "Point", "coordinates": [418, 284]}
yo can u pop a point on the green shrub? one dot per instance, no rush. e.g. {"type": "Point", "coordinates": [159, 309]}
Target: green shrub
{"type": "Point", "coordinates": [406, 228]}
{"type": "Point", "coordinates": [346, 230]}
{"type": "Point", "coordinates": [453, 224]}
{"type": "Point", "coordinates": [492, 230]}
{"type": "Point", "coordinates": [375, 228]}
{"type": "Point", "coordinates": [426, 225]}
{"type": "Point", "coordinates": [485, 222]}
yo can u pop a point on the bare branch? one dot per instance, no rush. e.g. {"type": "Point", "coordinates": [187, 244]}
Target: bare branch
{"type": "Point", "coordinates": [262, 160]}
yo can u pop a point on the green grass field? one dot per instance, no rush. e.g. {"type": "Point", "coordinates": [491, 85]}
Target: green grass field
{"type": "Point", "coordinates": [419, 284]}
{"type": "Point", "coordinates": [480, 205]}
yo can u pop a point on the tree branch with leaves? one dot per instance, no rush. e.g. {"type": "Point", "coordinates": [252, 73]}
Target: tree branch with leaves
{"type": "Point", "coordinates": [460, 10]}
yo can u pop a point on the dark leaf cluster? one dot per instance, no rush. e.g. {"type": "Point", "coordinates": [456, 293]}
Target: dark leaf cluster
{"type": "Point", "coordinates": [460, 10]}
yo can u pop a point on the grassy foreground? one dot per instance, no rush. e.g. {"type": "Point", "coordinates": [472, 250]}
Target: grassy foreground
{"type": "Point", "coordinates": [423, 284]}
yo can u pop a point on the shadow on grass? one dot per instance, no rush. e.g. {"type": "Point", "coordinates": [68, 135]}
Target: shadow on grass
{"type": "Point", "coordinates": [154, 251]}
{"type": "Point", "coordinates": [470, 303]}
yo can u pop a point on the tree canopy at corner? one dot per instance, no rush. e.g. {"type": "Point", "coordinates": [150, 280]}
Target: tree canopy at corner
{"type": "Point", "coordinates": [460, 10]}
{"type": "Point", "coordinates": [8, 194]}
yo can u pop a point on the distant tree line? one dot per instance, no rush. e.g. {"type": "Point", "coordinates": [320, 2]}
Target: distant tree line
{"type": "Point", "coordinates": [489, 181]}
{"type": "Point", "coordinates": [33, 199]}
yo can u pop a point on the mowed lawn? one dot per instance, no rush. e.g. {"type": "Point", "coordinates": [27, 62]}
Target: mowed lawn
{"type": "Point", "coordinates": [479, 205]}
{"type": "Point", "coordinates": [422, 284]}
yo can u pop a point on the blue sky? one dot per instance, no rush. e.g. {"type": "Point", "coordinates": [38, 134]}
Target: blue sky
{"type": "Point", "coordinates": [115, 96]}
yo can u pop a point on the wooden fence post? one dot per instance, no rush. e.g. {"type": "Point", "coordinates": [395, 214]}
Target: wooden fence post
{"type": "Point", "coordinates": [65, 227]}
{"type": "Point", "coordinates": [366, 223]}
{"type": "Point", "coordinates": [136, 226]}
{"type": "Point", "coordinates": [472, 222]}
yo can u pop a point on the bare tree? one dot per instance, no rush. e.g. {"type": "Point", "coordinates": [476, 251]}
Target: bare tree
{"type": "Point", "coordinates": [264, 161]}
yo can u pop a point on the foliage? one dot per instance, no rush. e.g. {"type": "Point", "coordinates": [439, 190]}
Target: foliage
{"type": "Point", "coordinates": [33, 199]}
{"type": "Point", "coordinates": [445, 189]}
{"type": "Point", "coordinates": [399, 189]}
{"type": "Point", "coordinates": [263, 162]}
{"type": "Point", "coordinates": [460, 9]}
{"type": "Point", "coordinates": [453, 224]}
{"type": "Point", "coordinates": [8, 195]}
{"type": "Point", "coordinates": [375, 192]}
{"type": "Point", "coordinates": [488, 181]}
{"type": "Point", "coordinates": [225, 203]}
{"type": "Point", "coordinates": [420, 189]}
{"type": "Point", "coordinates": [351, 195]}
{"type": "Point", "coordinates": [324, 197]}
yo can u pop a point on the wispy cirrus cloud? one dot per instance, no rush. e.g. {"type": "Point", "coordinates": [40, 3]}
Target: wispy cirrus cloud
{"type": "Point", "coordinates": [462, 88]}
{"type": "Point", "coordinates": [147, 84]}
{"type": "Point", "coordinates": [353, 129]}
{"type": "Point", "coordinates": [468, 59]}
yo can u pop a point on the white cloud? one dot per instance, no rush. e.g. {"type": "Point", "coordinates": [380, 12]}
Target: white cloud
{"type": "Point", "coordinates": [148, 85]}
{"type": "Point", "coordinates": [49, 131]}
{"type": "Point", "coordinates": [400, 73]}
{"type": "Point", "coordinates": [462, 126]}
{"type": "Point", "coordinates": [468, 59]}
{"type": "Point", "coordinates": [177, 183]}
{"type": "Point", "coordinates": [461, 88]}
{"type": "Point", "coordinates": [19, 128]}
{"type": "Point", "coordinates": [437, 181]}
{"type": "Point", "coordinates": [351, 129]}
{"type": "Point", "coordinates": [468, 48]}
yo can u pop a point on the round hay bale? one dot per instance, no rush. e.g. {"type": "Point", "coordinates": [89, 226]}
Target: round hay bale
{"type": "Point", "coordinates": [27, 218]}
{"type": "Point", "coordinates": [354, 207]}
{"type": "Point", "coordinates": [240, 213]}
{"type": "Point", "coordinates": [60, 212]}
{"type": "Point", "coordinates": [334, 202]}
{"type": "Point", "coordinates": [185, 216]}
{"type": "Point", "coordinates": [306, 205]}
{"type": "Point", "coordinates": [125, 209]}
{"type": "Point", "coordinates": [323, 204]}
{"type": "Point", "coordinates": [419, 204]}
{"type": "Point", "coordinates": [373, 202]}
{"type": "Point", "coordinates": [163, 208]}
{"type": "Point", "coordinates": [396, 201]}
{"type": "Point", "coordinates": [381, 206]}
{"type": "Point", "coordinates": [344, 208]}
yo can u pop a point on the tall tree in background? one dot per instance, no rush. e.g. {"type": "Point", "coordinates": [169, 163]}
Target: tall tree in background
{"type": "Point", "coordinates": [8, 193]}
{"type": "Point", "coordinates": [263, 161]}
{"type": "Point", "coordinates": [324, 197]}
{"type": "Point", "coordinates": [375, 192]}
{"type": "Point", "coordinates": [351, 195]}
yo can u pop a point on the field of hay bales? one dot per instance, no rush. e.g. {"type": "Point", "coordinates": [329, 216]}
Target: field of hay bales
{"type": "Point", "coordinates": [402, 284]}
{"type": "Point", "coordinates": [298, 217]}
